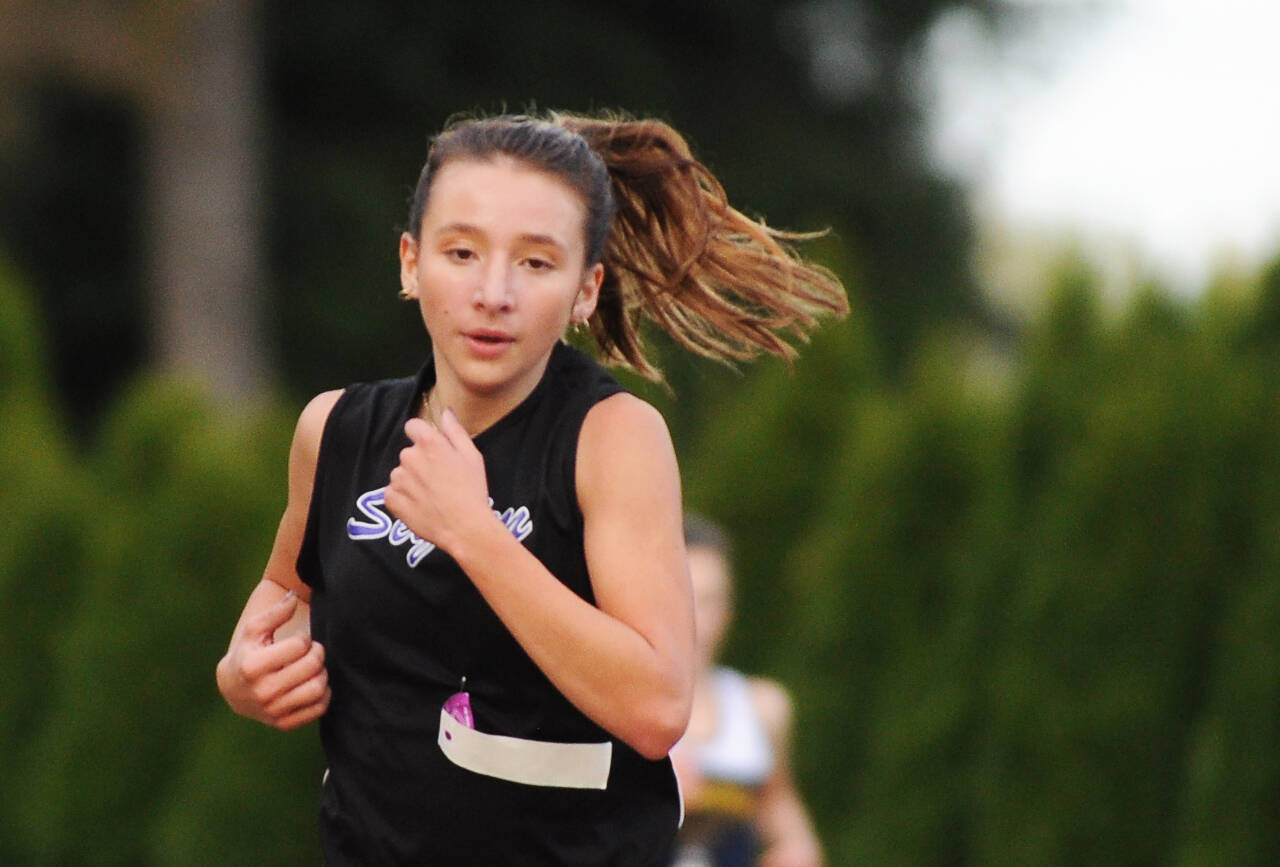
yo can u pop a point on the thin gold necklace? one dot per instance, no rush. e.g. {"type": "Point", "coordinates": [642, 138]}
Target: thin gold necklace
{"type": "Point", "coordinates": [427, 412]}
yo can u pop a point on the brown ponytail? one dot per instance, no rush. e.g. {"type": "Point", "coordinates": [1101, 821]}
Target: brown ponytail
{"type": "Point", "coordinates": [720, 283]}
{"type": "Point", "coordinates": [675, 251]}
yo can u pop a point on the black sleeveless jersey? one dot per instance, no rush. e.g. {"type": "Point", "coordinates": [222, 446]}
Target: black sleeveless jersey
{"type": "Point", "coordinates": [402, 625]}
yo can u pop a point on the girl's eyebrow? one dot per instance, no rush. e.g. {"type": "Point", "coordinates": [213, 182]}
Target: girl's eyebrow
{"type": "Point", "coordinates": [544, 240]}
{"type": "Point", "coordinates": [525, 237]}
{"type": "Point", "coordinates": [461, 228]}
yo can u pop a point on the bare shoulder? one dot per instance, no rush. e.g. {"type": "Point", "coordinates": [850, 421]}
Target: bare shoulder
{"type": "Point", "coordinates": [312, 419]}
{"type": "Point", "coordinates": [773, 705]}
{"type": "Point", "coordinates": [621, 435]}
{"type": "Point", "coordinates": [627, 416]}
{"type": "Point", "coordinates": [305, 451]}
{"type": "Point", "coordinates": [310, 428]}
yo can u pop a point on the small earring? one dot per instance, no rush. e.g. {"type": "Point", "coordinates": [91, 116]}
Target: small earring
{"type": "Point", "coordinates": [403, 294]}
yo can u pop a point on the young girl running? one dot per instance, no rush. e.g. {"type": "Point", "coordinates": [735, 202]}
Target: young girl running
{"type": "Point", "coordinates": [479, 583]}
{"type": "Point", "coordinates": [734, 761]}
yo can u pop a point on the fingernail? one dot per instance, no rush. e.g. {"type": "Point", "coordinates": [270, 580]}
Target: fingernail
{"type": "Point", "coordinates": [288, 597]}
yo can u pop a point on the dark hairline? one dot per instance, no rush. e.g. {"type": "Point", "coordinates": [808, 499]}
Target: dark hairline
{"type": "Point", "coordinates": [496, 157]}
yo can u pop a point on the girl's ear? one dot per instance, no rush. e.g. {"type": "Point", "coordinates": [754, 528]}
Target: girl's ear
{"type": "Point", "coordinates": [408, 266]}
{"type": "Point", "coordinates": [588, 293]}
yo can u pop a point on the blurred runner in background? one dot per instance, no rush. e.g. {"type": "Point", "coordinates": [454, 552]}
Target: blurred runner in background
{"type": "Point", "coordinates": [741, 805]}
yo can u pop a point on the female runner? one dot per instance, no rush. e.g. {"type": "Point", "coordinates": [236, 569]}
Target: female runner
{"type": "Point", "coordinates": [734, 761]}
{"type": "Point", "coordinates": [479, 583]}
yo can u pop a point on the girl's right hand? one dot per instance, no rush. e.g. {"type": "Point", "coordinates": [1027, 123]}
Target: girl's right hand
{"type": "Point", "coordinates": [282, 683]}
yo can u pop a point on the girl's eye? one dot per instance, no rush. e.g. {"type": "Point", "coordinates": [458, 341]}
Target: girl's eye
{"type": "Point", "coordinates": [537, 264]}
{"type": "Point", "coordinates": [459, 254]}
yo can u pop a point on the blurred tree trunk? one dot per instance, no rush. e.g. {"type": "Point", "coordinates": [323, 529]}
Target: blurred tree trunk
{"type": "Point", "coordinates": [204, 172]}
{"type": "Point", "coordinates": [192, 67]}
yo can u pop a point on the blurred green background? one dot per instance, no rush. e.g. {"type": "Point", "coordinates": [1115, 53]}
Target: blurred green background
{"type": "Point", "coordinates": [1018, 571]}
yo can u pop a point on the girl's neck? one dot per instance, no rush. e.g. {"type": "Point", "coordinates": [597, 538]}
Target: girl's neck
{"type": "Point", "coordinates": [475, 411]}
{"type": "Point", "coordinates": [705, 714]}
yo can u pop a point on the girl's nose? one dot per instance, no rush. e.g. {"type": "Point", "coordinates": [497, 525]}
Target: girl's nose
{"type": "Point", "coordinates": [495, 289]}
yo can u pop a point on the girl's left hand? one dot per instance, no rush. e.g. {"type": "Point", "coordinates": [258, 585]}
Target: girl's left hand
{"type": "Point", "coordinates": [439, 489]}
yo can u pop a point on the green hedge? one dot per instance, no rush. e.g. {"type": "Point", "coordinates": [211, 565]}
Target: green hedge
{"type": "Point", "coordinates": [1028, 607]}
{"type": "Point", "coordinates": [125, 567]}
{"type": "Point", "coordinates": [1030, 610]}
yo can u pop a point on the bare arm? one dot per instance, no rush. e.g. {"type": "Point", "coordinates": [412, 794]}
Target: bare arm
{"type": "Point", "coordinates": [272, 671]}
{"type": "Point", "coordinates": [628, 663]}
{"type": "Point", "coordinates": [788, 835]}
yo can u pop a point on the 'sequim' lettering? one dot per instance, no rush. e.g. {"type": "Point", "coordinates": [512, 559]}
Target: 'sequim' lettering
{"type": "Point", "coordinates": [377, 524]}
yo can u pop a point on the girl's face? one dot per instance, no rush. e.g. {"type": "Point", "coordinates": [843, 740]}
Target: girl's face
{"type": "Point", "coordinates": [712, 600]}
{"type": "Point", "coordinates": [498, 272]}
